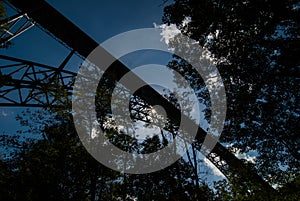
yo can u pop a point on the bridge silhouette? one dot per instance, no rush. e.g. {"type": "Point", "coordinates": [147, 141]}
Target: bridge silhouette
{"type": "Point", "coordinates": [27, 80]}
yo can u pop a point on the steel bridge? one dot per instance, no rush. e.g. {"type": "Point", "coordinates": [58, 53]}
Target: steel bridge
{"type": "Point", "coordinates": [27, 80]}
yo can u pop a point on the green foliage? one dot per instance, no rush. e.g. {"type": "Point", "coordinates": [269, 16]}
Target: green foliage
{"type": "Point", "coordinates": [2, 16]}
{"type": "Point", "coordinates": [57, 167]}
{"type": "Point", "coordinates": [254, 45]}
{"type": "Point", "coordinates": [4, 79]}
{"type": "Point", "coordinates": [2, 11]}
{"type": "Point", "coordinates": [235, 192]}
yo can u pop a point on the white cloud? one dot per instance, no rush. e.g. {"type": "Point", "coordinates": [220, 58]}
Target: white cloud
{"type": "Point", "coordinates": [168, 31]}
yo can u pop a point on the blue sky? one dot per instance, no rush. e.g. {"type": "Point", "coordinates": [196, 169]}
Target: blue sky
{"type": "Point", "coordinates": [99, 19]}
{"type": "Point", "coordinates": [104, 19]}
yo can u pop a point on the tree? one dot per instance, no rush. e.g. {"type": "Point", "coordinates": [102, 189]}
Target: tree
{"type": "Point", "coordinates": [2, 11]}
{"type": "Point", "coordinates": [56, 166]}
{"type": "Point", "coordinates": [257, 57]}
{"type": "Point", "coordinates": [3, 78]}
{"type": "Point", "coordinates": [2, 27]}
{"type": "Point", "coordinates": [255, 45]}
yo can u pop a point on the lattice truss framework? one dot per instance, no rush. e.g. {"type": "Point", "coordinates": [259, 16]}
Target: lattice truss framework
{"type": "Point", "coordinates": [26, 83]}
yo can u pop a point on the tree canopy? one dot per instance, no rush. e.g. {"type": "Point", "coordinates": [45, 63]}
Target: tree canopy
{"type": "Point", "coordinates": [255, 45]}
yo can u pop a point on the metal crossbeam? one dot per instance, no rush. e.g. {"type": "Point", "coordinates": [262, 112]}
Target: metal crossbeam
{"type": "Point", "coordinates": [12, 27]}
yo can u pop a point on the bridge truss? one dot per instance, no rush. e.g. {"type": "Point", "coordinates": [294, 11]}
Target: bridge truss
{"type": "Point", "coordinates": [27, 83]}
